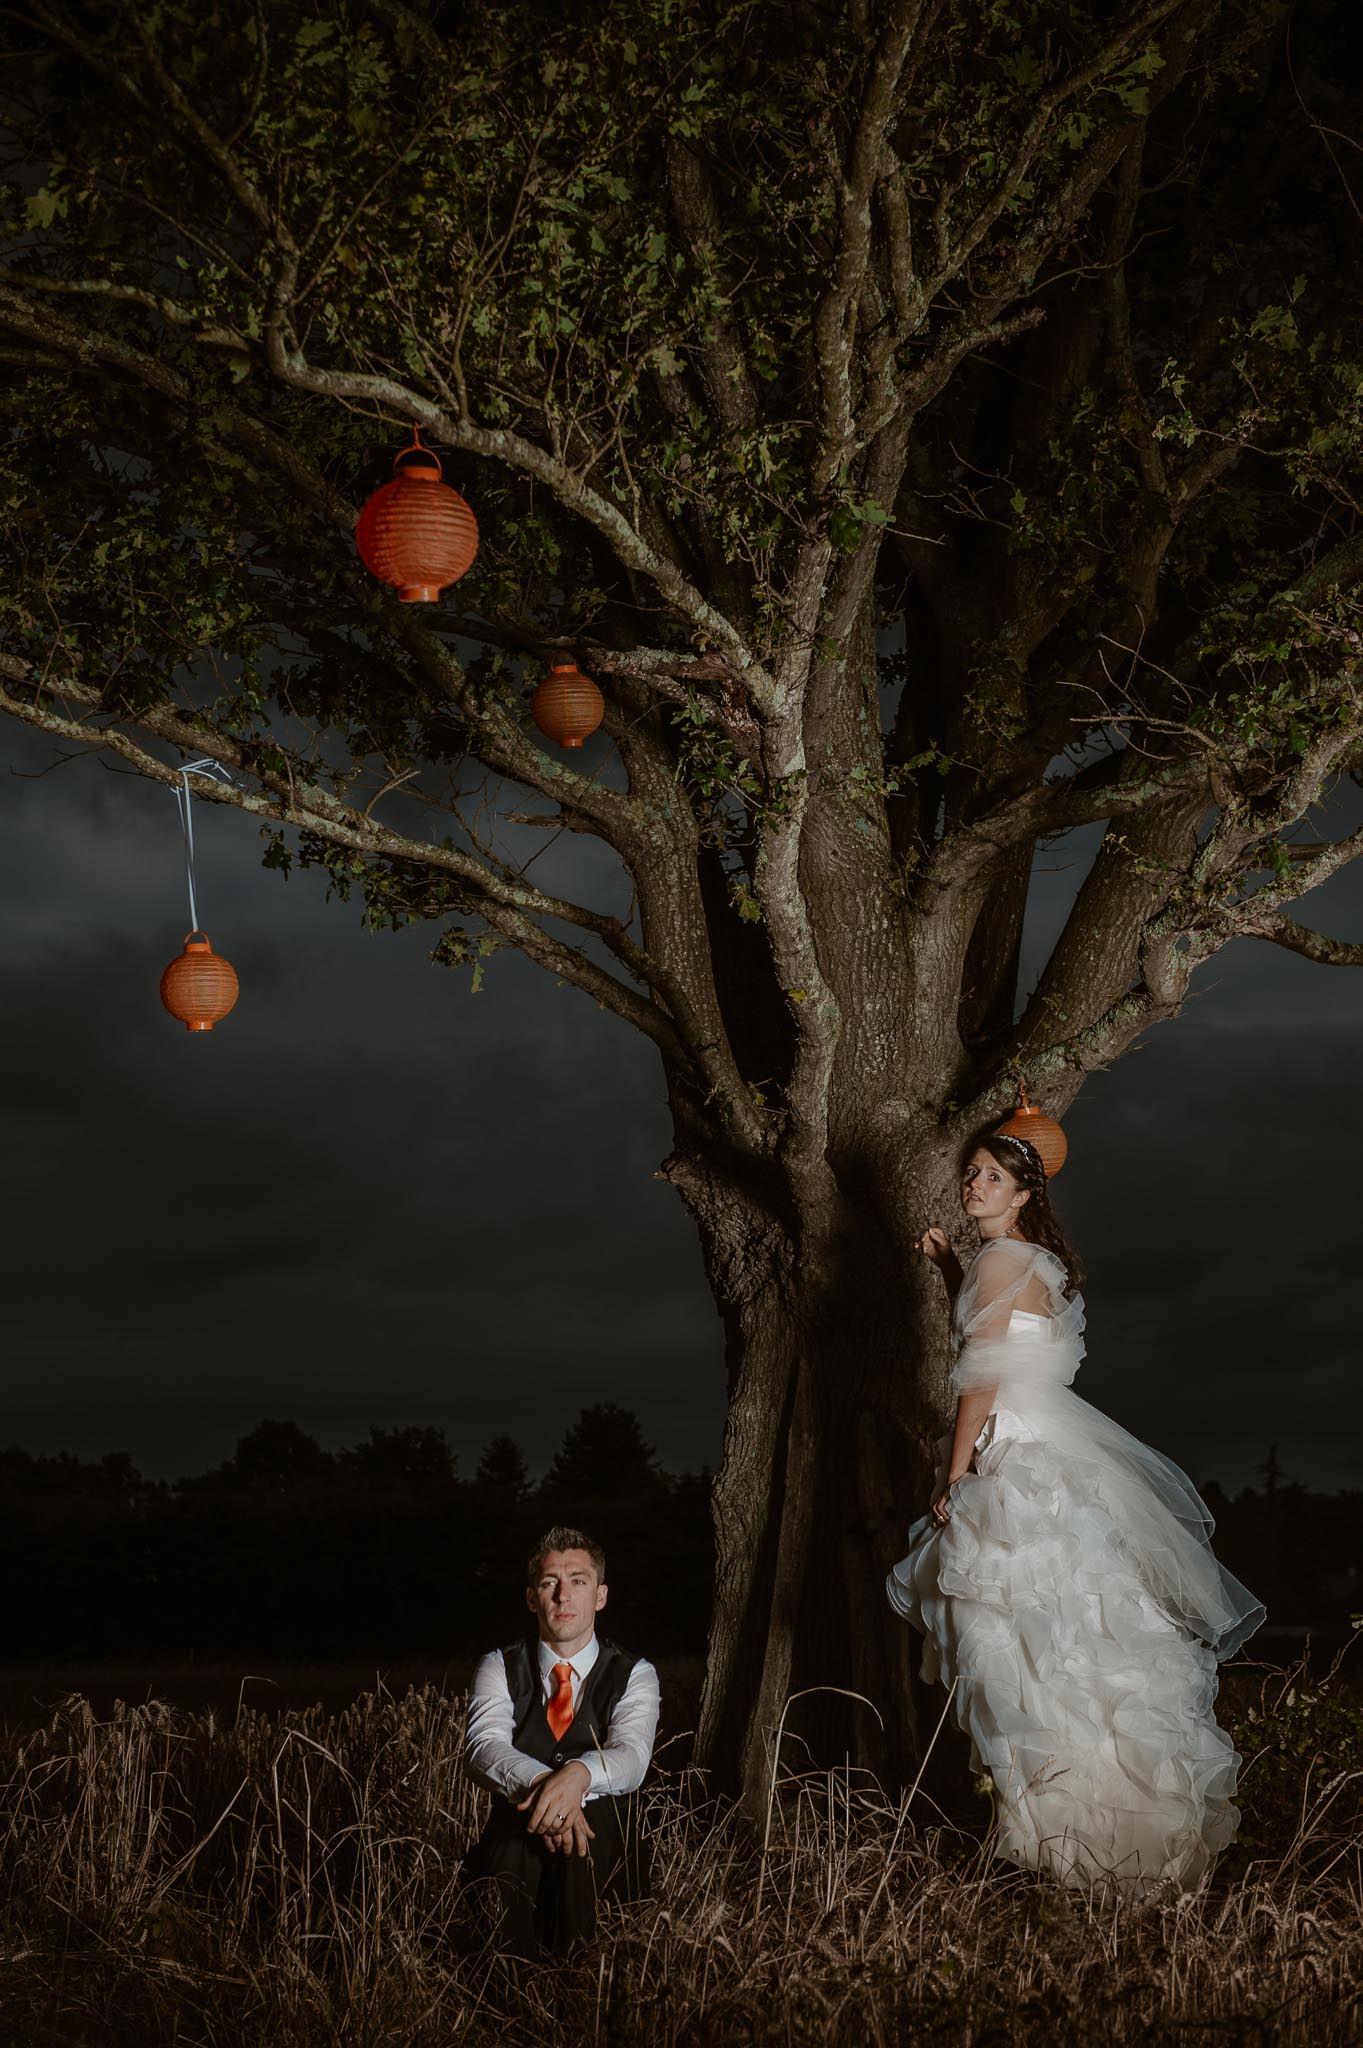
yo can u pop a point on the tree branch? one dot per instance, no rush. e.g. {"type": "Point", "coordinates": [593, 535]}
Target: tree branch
{"type": "Point", "coordinates": [192, 123]}
{"type": "Point", "coordinates": [502, 742]}
{"type": "Point", "coordinates": [1240, 827]}
{"type": "Point", "coordinates": [510, 907]}
{"type": "Point", "coordinates": [963, 337]}
{"type": "Point", "coordinates": [1055, 1075]}
{"type": "Point", "coordinates": [835, 316]}
{"type": "Point", "coordinates": [175, 312]}
{"type": "Point", "coordinates": [1022, 157]}
{"type": "Point", "coordinates": [1149, 454]}
{"type": "Point", "coordinates": [570, 489]}
{"type": "Point", "coordinates": [1057, 216]}
{"type": "Point", "coordinates": [1105, 789]}
{"type": "Point", "coordinates": [1285, 931]}
{"type": "Point", "coordinates": [728, 381]}
{"type": "Point", "coordinates": [289, 365]}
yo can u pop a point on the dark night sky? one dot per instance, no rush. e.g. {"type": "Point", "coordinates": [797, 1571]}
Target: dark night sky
{"type": "Point", "coordinates": [369, 1197]}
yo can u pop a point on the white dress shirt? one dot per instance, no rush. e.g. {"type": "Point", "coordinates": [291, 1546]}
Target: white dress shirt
{"type": "Point", "coordinates": [617, 1766]}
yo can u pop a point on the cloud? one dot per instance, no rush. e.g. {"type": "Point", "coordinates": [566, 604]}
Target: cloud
{"type": "Point", "coordinates": [372, 1198]}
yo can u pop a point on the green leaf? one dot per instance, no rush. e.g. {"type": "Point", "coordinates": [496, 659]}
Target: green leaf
{"type": "Point", "coordinates": [43, 207]}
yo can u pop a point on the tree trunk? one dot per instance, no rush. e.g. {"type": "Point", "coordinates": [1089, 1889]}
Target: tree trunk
{"type": "Point", "coordinates": [836, 1348]}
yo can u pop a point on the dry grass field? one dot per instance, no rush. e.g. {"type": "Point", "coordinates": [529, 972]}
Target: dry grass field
{"type": "Point", "coordinates": [252, 1878]}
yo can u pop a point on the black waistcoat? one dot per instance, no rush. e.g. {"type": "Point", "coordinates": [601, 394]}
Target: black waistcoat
{"type": "Point", "coordinates": [597, 1700]}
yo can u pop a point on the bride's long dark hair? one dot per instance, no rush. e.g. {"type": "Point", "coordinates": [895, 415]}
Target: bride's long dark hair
{"type": "Point", "coordinates": [1036, 1219]}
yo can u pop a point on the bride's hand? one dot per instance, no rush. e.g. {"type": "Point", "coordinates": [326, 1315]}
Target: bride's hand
{"type": "Point", "coordinates": [940, 1511]}
{"type": "Point", "coordinates": [936, 1245]}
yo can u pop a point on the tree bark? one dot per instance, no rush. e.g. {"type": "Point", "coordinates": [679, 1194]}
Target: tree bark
{"type": "Point", "coordinates": [836, 1356]}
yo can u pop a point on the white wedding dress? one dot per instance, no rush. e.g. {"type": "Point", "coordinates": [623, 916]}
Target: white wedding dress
{"type": "Point", "coordinates": [1074, 1601]}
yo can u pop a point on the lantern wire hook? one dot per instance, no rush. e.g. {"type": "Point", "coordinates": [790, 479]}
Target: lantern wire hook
{"type": "Point", "coordinates": [212, 771]}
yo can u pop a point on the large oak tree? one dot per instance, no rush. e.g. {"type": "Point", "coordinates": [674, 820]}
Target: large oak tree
{"type": "Point", "coordinates": [936, 426]}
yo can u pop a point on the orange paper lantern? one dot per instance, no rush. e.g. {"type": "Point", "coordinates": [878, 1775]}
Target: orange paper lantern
{"type": "Point", "coordinates": [1041, 1132]}
{"type": "Point", "coordinates": [199, 987]}
{"type": "Point", "coordinates": [416, 533]}
{"type": "Point", "coordinates": [567, 706]}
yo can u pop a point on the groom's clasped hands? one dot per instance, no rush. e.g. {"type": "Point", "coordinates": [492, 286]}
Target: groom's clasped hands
{"type": "Point", "coordinates": [553, 1810]}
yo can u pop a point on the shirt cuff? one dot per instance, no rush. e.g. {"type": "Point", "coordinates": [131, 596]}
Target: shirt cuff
{"type": "Point", "coordinates": [521, 1780]}
{"type": "Point", "coordinates": [597, 1774]}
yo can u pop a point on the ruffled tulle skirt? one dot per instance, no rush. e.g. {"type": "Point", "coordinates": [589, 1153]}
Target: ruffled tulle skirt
{"type": "Point", "coordinates": [1090, 1708]}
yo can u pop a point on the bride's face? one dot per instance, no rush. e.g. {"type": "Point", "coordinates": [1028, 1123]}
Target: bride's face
{"type": "Point", "coordinates": [989, 1194]}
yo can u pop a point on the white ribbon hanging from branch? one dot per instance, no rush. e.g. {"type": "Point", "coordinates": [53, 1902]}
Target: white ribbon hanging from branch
{"type": "Point", "coordinates": [212, 771]}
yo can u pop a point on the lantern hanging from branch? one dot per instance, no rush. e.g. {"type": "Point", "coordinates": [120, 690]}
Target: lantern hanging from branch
{"type": "Point", "coordinates": [1040, 1131]}
{"type": "Point", "coordinates": [415, 532]}
{"type": "Point", "coordinates": [199, 986]}
{"type": "Point", "coordinates": [567, 706]}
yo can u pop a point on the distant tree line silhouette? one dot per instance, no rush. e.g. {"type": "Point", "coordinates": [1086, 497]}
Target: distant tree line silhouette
{"type": "Point", "coordinates": [1301, 1552]}
{"type": "Point", "coordinates": [294, 1552]}
{"type": "Point", "coordinates": [291, 1551]}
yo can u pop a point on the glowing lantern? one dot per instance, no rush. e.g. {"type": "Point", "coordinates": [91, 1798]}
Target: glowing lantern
{"type": "Point", "coordinates": [199, 987]}
{"type": "Point", "coordinates": [416, 533]}
{"type": "Point", "coordinates": [567, 706]}
{"type": "Point", "coordinates": [1041, 1132]}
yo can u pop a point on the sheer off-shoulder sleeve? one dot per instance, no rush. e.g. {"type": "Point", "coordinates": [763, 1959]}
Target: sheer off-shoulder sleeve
{"type": "Point", "coordinates": [1006, 1277]}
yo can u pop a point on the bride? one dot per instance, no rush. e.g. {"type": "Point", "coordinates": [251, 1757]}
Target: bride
{"type": "Point", "coordinates": [1063, 1578]}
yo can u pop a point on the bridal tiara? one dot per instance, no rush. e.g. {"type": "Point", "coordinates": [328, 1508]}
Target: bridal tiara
{"type": "Point", "coordinates": [1007, 1138]}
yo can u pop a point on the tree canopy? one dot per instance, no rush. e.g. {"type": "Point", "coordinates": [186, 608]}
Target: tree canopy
{"type": "Point", "coordinates": [1020, 338]}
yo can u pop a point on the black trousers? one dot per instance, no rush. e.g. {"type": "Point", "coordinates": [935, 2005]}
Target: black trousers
{"type": "Point", "coordinates": [534, 1900]}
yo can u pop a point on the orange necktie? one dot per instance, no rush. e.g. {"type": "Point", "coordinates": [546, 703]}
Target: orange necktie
{"type": "Point", "coordinates": [559, 1712]}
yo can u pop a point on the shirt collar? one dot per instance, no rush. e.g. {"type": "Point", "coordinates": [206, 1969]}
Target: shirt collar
{"type": "Point", "coordinates": [581, 1663]}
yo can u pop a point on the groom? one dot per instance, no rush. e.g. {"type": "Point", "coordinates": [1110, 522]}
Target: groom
{"type": "Point", "coordinates": [560, 1731]}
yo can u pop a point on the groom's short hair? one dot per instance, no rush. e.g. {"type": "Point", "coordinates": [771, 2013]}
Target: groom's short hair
{"type": "Point", "coordinates": [559, 1538]}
